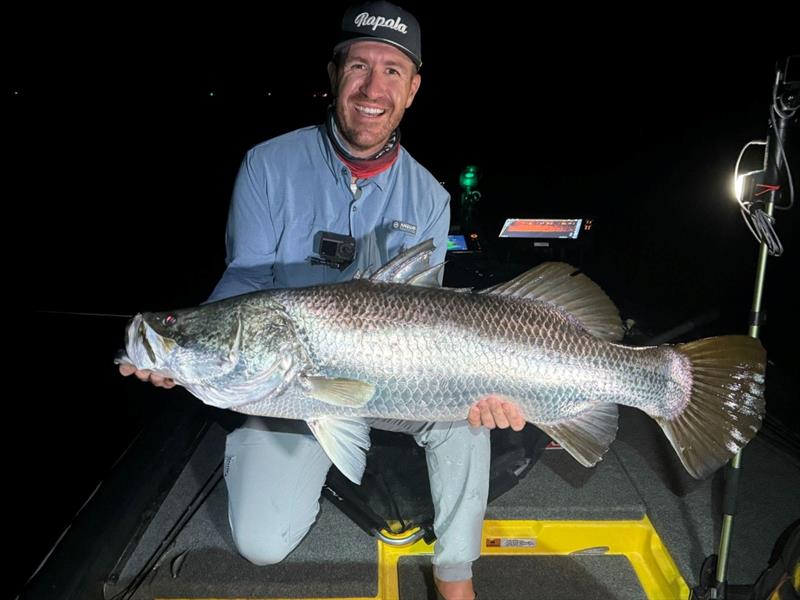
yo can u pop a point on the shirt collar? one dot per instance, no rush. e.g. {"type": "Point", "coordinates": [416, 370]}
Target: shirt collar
{"type": "Point", "coordinates": [335, 164]}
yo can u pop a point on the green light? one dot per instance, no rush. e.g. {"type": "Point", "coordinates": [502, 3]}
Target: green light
{"type": "Point", "coordinates": [469, 177]}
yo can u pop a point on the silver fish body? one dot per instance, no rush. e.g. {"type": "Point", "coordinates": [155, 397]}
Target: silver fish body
{"type": "Point", "coordinates": [375, 348]}
{"type": "Point", "coordinates": [430, 353]}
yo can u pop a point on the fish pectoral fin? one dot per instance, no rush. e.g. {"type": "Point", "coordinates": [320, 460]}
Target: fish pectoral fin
{"type": "Point", "coordinates": [345, 441]}
{"type": "Point", "coordinates": [339, 392]}
{"type": "Point", "coordinates": [588, 435]}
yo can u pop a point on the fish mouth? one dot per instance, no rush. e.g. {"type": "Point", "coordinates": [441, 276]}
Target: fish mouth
{"type": "Point", "coordinates": [121, 357]}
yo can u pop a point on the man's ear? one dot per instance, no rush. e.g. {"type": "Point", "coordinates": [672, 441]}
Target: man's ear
{"type": "Point", "coordinates": [333, 76]}
{"type": "Point", "coordinates": [415, 83]}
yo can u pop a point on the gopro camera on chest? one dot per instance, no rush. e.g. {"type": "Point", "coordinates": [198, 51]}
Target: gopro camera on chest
{"type": "Point", "coordinates": [334, 250]}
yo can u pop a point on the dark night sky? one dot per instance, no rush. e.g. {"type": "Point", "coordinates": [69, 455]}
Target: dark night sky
{"type": "Point", "coordinates": [125, 162]}
{"type": "Point", "coordinates": [121, 165]}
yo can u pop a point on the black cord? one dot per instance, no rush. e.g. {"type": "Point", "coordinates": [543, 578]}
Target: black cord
{"type": "Point", "coordinates": [760, 225]}
{"type": "Point", "coordinates": [395, 507]}
{"type": "Point", "coordinates": [784, 112]}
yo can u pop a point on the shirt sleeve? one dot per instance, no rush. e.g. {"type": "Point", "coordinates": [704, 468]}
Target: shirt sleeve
{"type": "Point", "coordinates": [250, 238]}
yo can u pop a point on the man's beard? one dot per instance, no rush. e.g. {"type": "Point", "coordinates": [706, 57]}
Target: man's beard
{"type": "Point", "coordinates": [363, 140]}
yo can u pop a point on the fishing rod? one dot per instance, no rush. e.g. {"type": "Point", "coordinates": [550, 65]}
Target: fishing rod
{"type": "Point", "coordinates": [82, 314]}
{"type": "Point", "coordinates": [759, 194]}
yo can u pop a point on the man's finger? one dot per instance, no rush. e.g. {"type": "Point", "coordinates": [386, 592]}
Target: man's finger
{"type": "Point", "coordinates": [474, 417]}
{"type": "Point", "coordinates": [143, 375]}
{"type": "Point", "coordinates": [166, 382]}
{"type": "Point", "coordinates": [486, 417]}
{"type": "Point", "coordinates": [514, 417]}
{"type": "Point", "coordinates": [498, 414]}
{"type": "Point", "coordinates": [157, 380]}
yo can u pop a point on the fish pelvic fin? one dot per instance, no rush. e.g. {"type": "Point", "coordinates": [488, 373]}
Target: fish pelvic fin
{"type": "Point", "coordinates": [588, 435]}
{"type": "Point", "coordinates": [565, 287]}
{"type": "Point", "coordinates": [345, 440]}
{"type": "Point", "coordinates": [726, 404]}
{"type": "Point", "coordinates": [339, 392]}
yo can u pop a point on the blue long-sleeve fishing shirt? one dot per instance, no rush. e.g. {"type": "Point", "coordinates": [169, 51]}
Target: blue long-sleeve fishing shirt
{"type": "Point", "coordinates": [293, 186]}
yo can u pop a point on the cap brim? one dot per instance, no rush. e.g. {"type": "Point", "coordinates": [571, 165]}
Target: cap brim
{"type": "Point", "coordinates": [369, 38]}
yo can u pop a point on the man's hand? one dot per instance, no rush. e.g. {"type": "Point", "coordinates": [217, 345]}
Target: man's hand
{"type": "Point", "coordinates": [145, 375]}
{"type": "Point", "coordinates": [494, 411]}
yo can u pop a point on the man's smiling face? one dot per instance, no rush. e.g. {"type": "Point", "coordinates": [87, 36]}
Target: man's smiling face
{"type": "Point", "coordinates": [374, 85]}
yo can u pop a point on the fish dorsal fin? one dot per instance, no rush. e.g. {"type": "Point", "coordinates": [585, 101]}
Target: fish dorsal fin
{"type": "Point", "coordinates": [564, 286]}
{"type": "Point", "coordinates": [587, 436]}
{"type": "Point", "coordinates": [345, 441]}
{"type": "Point", "coordinates": [411, 266]}
{"type": "Point", "coordinates": [428, 278]}
{"type": "Point", "coordinates": [338, 391]}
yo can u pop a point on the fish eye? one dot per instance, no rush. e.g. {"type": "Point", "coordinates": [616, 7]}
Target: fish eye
{"type": "Point", "coordinates": [169, 320]}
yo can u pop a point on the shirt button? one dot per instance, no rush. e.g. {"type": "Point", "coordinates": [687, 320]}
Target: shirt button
{"type": "Point", "coordinates": [344, 170]}
{"type": "Point", "coordinates": [354, 209]}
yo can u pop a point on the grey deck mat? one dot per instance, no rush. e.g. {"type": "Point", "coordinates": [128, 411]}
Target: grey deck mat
{"type": "Point", "coordinates": [639, 475]}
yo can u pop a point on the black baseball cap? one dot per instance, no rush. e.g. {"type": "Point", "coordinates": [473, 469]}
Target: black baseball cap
{"type": "Point", "coordinates": [381, 21]}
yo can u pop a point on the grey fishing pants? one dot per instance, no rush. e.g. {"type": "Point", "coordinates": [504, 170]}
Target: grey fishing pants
{"type": "Point", "coordinates": [275, 478]}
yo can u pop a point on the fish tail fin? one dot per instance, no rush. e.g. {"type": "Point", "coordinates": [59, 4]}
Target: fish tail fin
{"type": "Point", "coordinates": [725, 404]}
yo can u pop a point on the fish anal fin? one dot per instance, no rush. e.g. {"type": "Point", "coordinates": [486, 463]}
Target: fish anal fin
{"type": "Point", "coordinates": [588, 435]}
{"type": "Point", "coordinates": [339, 391]}
{"type": "Point", "coordinates": [346, 441]}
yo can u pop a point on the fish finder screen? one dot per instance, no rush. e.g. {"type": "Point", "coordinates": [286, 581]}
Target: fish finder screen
{"type": "Point", "coordinates": [456, 243]}
{"type": "Point", "coordinates": [541, 228]}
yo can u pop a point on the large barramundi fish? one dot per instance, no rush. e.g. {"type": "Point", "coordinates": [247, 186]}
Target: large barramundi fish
{"type": "Point", "coordinates": [394, 345]}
